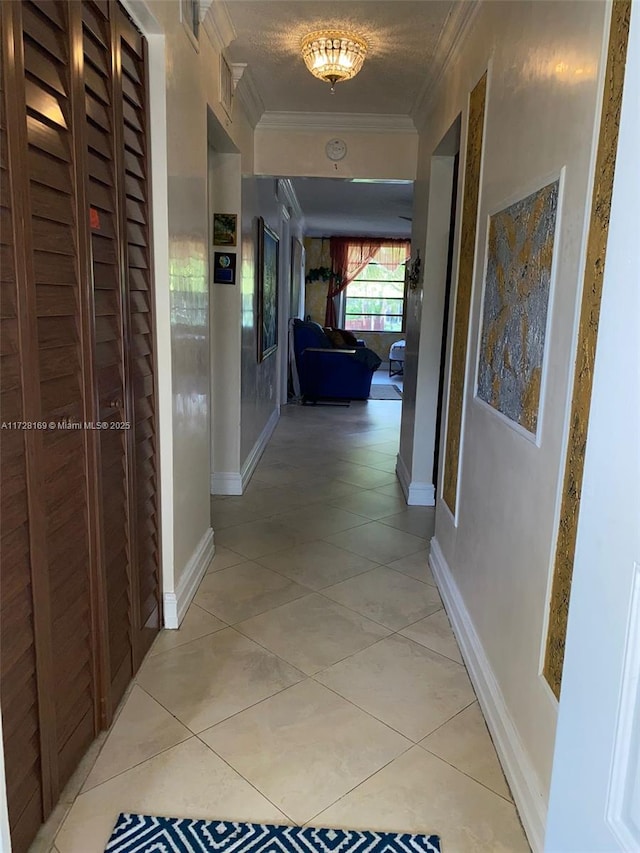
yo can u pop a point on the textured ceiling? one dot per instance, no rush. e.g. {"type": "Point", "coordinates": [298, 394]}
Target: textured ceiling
{"type": "Point", "coordinates": [373, 209]}
{"type": "Point", "coordinates": [402, 36]}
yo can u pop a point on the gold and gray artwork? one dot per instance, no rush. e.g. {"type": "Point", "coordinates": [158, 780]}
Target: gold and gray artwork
{"type": "Point", "coordinates": [516, 302]}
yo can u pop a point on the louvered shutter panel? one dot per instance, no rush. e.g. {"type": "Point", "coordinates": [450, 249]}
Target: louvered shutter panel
{"type": "Point", "coordinates": [146, 578]}
{"type": "Point", "coordinates": [64, 454]}
{"type": "Point", "coordinates": [19, 696]}
{"type": "Point", "coordinates": [109, 356]}
{"type": "Point", "coordinates": [79, 542]}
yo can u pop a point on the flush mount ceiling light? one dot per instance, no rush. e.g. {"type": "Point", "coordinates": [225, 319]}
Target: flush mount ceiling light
{"type": "Point", "coordinates": [333, 55]}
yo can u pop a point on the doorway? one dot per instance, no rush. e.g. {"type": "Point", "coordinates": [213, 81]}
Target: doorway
{"type": "Point", "coordinates": [445, 317]}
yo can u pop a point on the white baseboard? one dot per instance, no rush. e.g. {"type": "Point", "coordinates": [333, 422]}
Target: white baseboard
{"type": "Point", "coordinates": [518, 769]}
{"type": "Point", "coordinates": [258, 449]}
{"type": "Point", "coordinates": [421, 494]}
{"type": "Point", "coordinates": [176, 603]}
{"type": "Point", "coordinates": [226, 483]}
{"type": "Point", "coordinates": [235, 482]}
{"type": "Point", "coordinates": [415, 493]}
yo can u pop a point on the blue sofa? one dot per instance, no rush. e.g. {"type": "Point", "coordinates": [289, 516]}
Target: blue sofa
{"type": "Point", "coordinates": [329, 373]}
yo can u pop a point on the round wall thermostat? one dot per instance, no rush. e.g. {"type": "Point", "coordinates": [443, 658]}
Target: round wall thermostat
{"type": "Point", "coordinates": [336, 149]}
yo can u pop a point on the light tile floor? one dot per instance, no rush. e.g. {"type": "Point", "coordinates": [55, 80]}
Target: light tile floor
{"type": "Point", "coordinates": [315, 678]}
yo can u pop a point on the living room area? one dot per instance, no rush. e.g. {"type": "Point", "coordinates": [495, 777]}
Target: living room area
{"type": "Point", "coordinates": [357, 263]}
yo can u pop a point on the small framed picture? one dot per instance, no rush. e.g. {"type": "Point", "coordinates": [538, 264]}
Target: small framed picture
{"type": "Point", "coordinates": [190, 17]}
{"type": "Point", "coordinates": [224, 267]}
{"type": "Point", "coordinates": [225, 229]}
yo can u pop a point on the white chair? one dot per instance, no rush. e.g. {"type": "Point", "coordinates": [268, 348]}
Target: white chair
{"type": "Point", "coordinates": [396, 359]}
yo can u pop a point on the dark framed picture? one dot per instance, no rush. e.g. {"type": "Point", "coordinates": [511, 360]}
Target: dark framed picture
{"type": "Point", "coordinates": [225, 229]}
{"type": "Point", "coordinates": [267, 290]}
{"type": "Point", "coordinates": [224, 267]}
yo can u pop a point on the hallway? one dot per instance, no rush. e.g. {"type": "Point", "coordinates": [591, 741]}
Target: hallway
{"type": "Point", "coordinates": [315, 678]}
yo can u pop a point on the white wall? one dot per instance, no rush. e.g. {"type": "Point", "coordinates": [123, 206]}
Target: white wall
{"type": "Point", "coordinates": [425, 311]}
{"type": "Point", "coordinates": [541, 113]}
{"type": "Point", "coordinates": [259, 379]}
{"type": "Point", "coordinates": [225, 311]}
{"type": "Point", "coordinates": [186, 157]}
{"type": "Point", "coordinates": [291, 152]}
{"type": "Point", "coordinates": [192, 86]}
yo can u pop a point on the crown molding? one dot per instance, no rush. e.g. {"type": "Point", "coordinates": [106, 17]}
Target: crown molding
{"type": "Point", "coordinates": [337, 122]}
{"type": "Point", "coordinates": [453, 33]}
{"type": "Point", "coordinates": [287, 195]}
{"type": "Point", "coordinates": [247, 94]}
{"type": "Point", "coordinates": [217, 24]}
{"type": "Point", "coordinates": [237, 70]}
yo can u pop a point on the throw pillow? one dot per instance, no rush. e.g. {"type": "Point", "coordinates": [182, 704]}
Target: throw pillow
{"type": "Point", "coordinates": [341, 338]}
{"type": "Point", "coordinates": [349, 338]}
{"type": "Point", "coordinates": [334, 335]}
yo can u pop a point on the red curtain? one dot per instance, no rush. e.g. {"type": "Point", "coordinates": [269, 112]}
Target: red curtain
{"type": "Point", "coordinates": [350, 255]}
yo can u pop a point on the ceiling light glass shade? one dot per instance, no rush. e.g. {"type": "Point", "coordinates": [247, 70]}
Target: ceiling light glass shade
{"type": "Point", "coordinates": [333, 56]}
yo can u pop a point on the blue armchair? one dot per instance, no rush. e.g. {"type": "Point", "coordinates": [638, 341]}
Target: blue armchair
{"type": "Point", "coordinates": [329, 373]}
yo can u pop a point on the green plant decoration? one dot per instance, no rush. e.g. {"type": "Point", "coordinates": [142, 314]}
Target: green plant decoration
{"type": "Point", "coordinates": [321, 274]}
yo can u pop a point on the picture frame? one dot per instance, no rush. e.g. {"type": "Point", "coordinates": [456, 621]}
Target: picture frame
{"type": "Point", "coordinates": [224, 267]}
{"type": "Point", "coordinates": [226, 86]}
{"type": "Point", "coordinates": [267, 289]}
{"type": "Point", "coordinates": [297, 278]}
{"type": "Point", "coordinates": [520, 264]}
{"type": "Point", "coordinates": [225, 229]}
{"type": "Point", "coordinates": [190, 17]}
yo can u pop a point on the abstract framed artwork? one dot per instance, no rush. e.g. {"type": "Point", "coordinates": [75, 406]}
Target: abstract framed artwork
{"type": "Point", "coordinates": [267, 290]}
{"type": "Point", "coordinates": [516, 305]}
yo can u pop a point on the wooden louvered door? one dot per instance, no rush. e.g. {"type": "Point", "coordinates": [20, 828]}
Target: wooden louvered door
{"type": "Point", "coordinates": [59, 633]}
{"type": "Point", "coordinates": [118, 197]}
{"type": "Point", "coordinates": [109, 353]}
{"type": "Point", "coordinates": [79, 541]}
{"type": "Point", "coordinates": [19, 680]}
{"type": "Point", "coordinates": [136, 190]}
{"type": "Point", "coordinates": [62, 460]}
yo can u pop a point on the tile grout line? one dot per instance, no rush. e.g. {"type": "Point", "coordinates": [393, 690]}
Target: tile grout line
{"type": "Point", "coordinates": [137, 764]}
{"type": "Point", "coordinates": [371, 619]}
{"type": "Point", "coordinates": [331, 504]}
{"type": "Point", "coordinates": [321, 592]}
{"type": "Point", "coordinates": [248, 781]}
{"type": "Point", "coordinates": [362, 782]}
{"type": "Point", "coordinates": [357, 574]}
{"type": "Point", "coordinates": [323, 504]}
{"type": "Point", "coordinates": [364, 710]}
{"type": "Point", "coordinates": [464, 773]}
{"type": "Point", "coordinates": [192, 640]}
{"type": "Point", "coordinates": [322, 669]}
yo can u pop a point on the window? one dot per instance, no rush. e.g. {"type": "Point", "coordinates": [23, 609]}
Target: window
{"type": "Point", "coordinates": [375, 300]}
